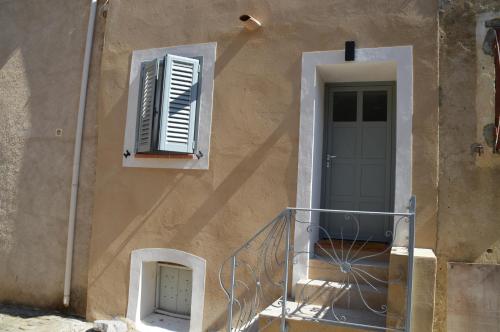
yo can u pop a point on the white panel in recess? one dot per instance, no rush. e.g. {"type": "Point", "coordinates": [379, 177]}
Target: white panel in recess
{"type": "Point", "coordinates": [174, 289]}
{"type": "Point", "coordinates": [184, 292]}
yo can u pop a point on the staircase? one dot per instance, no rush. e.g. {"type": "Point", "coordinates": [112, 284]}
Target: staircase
{"type": "Point", "coordinates": [329, 295]}
{"type": "Point", "coordinates": [346, 288]}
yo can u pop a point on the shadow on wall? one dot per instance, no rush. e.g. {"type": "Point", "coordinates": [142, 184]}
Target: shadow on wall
{"type": "Point", "coordinates": [153, 218]}
{"type": "Point", "coordinates": [170, 180]}
{"type": "Point", "coordinates": [232, 182]}
{"type": "Point", "coordinates": [40, 75]}
{"type": "Point", "coordinates": [206, 210]}
{"type": "Point", "coordinates": [232, 49]}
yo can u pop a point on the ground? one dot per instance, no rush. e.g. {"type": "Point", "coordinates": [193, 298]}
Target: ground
{"type": "Point", "coordinates": [14, 318]}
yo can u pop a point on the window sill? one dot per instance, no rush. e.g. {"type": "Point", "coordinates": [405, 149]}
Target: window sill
{"type": "Point", "coordinates": [163, 323]}
{"type": "Point", "coordinates": [166, 156]}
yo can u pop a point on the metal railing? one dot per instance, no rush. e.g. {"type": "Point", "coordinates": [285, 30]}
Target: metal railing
{"type": "Point", "coordinates": [256, 278]}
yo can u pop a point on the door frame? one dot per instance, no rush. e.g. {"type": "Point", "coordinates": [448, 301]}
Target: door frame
{"type": "Point", "coordinates": [362, 86]}
{"type": "Point", "coordinates": [372, 64]}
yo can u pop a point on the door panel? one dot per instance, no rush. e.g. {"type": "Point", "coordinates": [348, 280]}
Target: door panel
{"type": "Point", "coordinates": [344, 141]}
{"type": "Point", "coordinates": [343, 176]}
{"type": "Point", "coordinates": [372, 181]}
{"type": "Point", "coordinates": [359, 177]}
{"type": "Point", "coordinates": [374, 142]}
{"type": "Point", "coordinates": [174, 289]}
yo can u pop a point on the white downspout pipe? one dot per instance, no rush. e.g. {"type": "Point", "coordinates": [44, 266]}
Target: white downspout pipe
{"type": "Point", "coordinates": [77, 152]}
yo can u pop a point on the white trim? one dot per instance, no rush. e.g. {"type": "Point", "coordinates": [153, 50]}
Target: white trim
{"type": "Point", "coordinates": [208, 53]}
{"type": "Point", "coordinates": [318, 68]}
{"type": "Point", "coordinates": [140, 257]}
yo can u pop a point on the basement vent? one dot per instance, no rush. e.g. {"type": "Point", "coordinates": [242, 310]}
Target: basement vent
{"type": "Point", "coordinates": [173, 290]}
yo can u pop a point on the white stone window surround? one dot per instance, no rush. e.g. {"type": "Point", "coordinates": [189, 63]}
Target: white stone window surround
{"type": "Point", "coordinates": [142, 286]}
{"type": "Point", "coordinates": [207, 52]}
{"type": "Point", "coordinates": [319, 68]}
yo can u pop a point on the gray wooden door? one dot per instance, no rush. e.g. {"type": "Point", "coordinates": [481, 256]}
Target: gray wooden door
{"type": "Point", "coordinates": [358, 160]}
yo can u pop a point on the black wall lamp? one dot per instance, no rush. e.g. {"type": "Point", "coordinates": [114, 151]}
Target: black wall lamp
{"type": "Point", "coordinates": [350, 50]}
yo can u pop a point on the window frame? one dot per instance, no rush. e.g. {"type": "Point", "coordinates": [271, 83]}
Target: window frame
{"type": "Point", "coordinates": [160, 112]}
{"type": "Point", "coordinates": [206, 54]}
{"type": "Point", "coordinates": [139, 306]}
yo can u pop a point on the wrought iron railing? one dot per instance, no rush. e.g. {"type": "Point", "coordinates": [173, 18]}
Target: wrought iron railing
{"type": "Point", "coordinates": [359, 278]}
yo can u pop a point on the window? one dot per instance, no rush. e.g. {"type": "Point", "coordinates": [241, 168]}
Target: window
{"type": "Point", "coordinates": [375, 106]}
{"type": "Point", "coordinates": [344, 106]}
{"type": "Point", "coordinates": [169, 111]}
{"type": "Point", "coordinates": [168, 105]}
{"type": "Point", "coordinates": [173, 290]}
{"type": "Point", "coordinates": [166, 290]}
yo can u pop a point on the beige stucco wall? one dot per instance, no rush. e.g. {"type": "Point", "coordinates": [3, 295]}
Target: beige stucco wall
{"type": "Point", "coordinates": [41, 57]}
{"type": "Point", "coordinates": [424, 289]}
{"type": "Point", "coordinates": [468, 184]}
{"type": "Point", "coordinates": [253, 160]}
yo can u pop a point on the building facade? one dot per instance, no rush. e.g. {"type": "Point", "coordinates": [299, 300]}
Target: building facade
{"type": "Point", "coordinates": [202, 125]}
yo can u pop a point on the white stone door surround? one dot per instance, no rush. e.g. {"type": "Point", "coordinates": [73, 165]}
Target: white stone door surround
{"type": "Point", "coordinates": [370, 65]}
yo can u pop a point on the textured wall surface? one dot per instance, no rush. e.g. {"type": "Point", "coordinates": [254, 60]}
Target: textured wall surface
{"type": "Point", "coordinates": [253, 166]}
{"type": "Point", "coordinates": [473, 305]}
{"type": "Point", "coordinates": [41, 57]}
{"type": "Point", "coordinates": [469, 195]}
{"type": "Point", "coordinates": [424, 289]}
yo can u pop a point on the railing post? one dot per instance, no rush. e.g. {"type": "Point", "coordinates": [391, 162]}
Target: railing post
{"type": "Point", "coordinates": [231, 295]}
{"type": "Point", "coordinates": [288, 220]}
{"type": "Point", "coordinates": [411, 253]}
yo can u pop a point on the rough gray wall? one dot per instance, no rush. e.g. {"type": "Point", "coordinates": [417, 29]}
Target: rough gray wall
{"type": "Point", "coordinates": [483, 312]}
{"type": "Point", "coordinates": [41, 57]}
{"type": "Point", "coordinates": [469, 196]}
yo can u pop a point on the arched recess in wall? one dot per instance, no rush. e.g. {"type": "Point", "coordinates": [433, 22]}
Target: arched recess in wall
{"type": "Point", "coordinates": [142, 298]}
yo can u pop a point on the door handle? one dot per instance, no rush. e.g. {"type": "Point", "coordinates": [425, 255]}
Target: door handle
{"type": "Point", "coordinates": [329, 158]}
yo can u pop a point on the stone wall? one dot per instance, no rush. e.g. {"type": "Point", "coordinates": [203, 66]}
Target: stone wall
{"type": "Point", "coordinates": [469, 196]}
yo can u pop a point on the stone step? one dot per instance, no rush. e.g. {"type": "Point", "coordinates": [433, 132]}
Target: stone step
{"type": "Point", "coordinates": [351, 250]}
{"type": "Point", "coordinates": [322, 269]}
{"type": "Point", "coordinates": [341, 295]}
{"type": "Point", "coordinates": [307, 318]}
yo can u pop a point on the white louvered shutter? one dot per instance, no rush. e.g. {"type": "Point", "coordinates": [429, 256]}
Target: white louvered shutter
{"type": "Point", "coordinates": [180, 97]}
{"type": "Point", "coordinates": [145, 119]}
